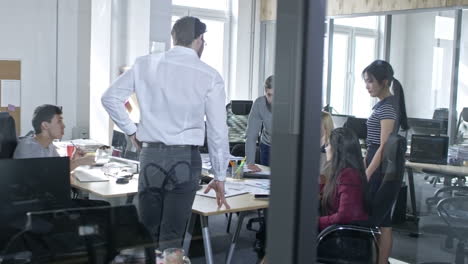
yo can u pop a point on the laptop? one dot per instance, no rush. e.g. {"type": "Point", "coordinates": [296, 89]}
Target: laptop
{"type": "Point", "coordinates": [429, 149]}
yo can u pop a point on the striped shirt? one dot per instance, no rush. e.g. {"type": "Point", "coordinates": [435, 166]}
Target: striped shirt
{"type": "Point", "coordinates": [385, 109]}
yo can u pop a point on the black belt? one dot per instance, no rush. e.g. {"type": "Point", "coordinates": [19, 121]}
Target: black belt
{"type": "Point", "coordinates": [162, 145]}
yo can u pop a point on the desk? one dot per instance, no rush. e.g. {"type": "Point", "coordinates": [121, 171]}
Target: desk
{"type": "Point", "coordinates": [202, 206]}
{"type": "Point", "coordinates": [205, 207]}
{"type": "Point", "coordinates": [456, 171]}
{"type": "Point", "coordinates": [109, 189]}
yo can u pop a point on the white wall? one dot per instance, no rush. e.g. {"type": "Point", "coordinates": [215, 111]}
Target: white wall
{"type": "Point", "coordinates": [28, 30]}
{"type": "Point", "coordinates": [83, 68]}
{"type": "Point", "coordinates": [412, 56]}
{"type": "Point", "coordinates": [241, 87]}
{"type": "Point", "coordinates": [138, 29]}
{"type": "Point", "coordinates": [100, 68]}
{"type": "Point", "coordinates": [463, 73]}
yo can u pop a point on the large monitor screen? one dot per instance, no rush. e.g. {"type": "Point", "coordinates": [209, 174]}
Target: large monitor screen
{"type": "Point", "coordinates": [31, 185]}
{"type": "Point", "coordinates": [429, 149]}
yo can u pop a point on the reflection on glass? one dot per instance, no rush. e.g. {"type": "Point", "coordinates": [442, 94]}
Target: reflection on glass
{"type": "Point", "coordinates": [421, 54]}
{"type": "Point", "coordinates": [339, 72]}
{"type": "Point", "coordinates": [365, 54]}
{"type": "Point", "coordinates": [213, 53]}
{"type": "Point", "coordinates": [355, 45]}
{"type": "Point", "coordinates": [208, 4]}
{"type": "Point", "coordinates": [463, 68]}
{"type": "Point", "coordinates": [369, 22]}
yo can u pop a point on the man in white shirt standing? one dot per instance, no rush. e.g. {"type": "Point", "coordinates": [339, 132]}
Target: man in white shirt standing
{"type": "Point", "coordinates": [175, 91]}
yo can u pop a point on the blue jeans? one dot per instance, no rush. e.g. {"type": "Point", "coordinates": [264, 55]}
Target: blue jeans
{"type": "Point", "coordinates": [265, 154]}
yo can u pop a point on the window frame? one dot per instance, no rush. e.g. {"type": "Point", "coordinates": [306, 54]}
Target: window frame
{"type": "Point", "coordinates": [217, 15]}
{"type": "Point", "coordinates": [353, 33]}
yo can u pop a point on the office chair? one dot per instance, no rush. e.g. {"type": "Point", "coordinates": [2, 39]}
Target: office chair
{"type": "Point", "coordinates": [81, 235]}
{"type": "Point", "coordinates": [237, 117]}
{"type": "Point", "coordinates": [8, 139]}
{"type": "Point", "coordinates": [452, 221]}
{"type": "Point", "coordinates": [357, 243]}
{"type": "Point", "coordinates": [462, 127]}
{"type": "Point", "coordinates": [440, 114]}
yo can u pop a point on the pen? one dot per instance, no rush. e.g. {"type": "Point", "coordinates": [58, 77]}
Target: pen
{"type": "Point", "coordinates": [241, 165]}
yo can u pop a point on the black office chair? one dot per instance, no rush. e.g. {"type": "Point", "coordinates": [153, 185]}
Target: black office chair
{"type": "Point", "coordinates": [462, 126]}
{"type": "Point", "coordinates": [357, 243]}
{"type": "Point", "coordinates": [8, 139]}
{"type": "Point", "coordinates": [81, 235]}
{"type": "Point", "coordinates": [452, 222]}
{"type": "Point", "coordinates": [441, 114]}
{"type": "Point", "coordinates": [237, 117]}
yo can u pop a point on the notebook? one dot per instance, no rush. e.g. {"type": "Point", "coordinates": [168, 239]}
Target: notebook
{"type": "Point", "coordinates": [429, 149]}
{"type": "Point", "coordinates": [84, 174]}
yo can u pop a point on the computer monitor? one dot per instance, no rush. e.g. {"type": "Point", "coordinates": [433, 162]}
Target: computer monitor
{"type": "Point", "coordinates": [423, 126]}
{"type": "Point", "coordinates": [429, 149]}
{"type": "Point", "coordinates": [31, 185]}
{"type": "Point", "coordinates": [339, 120]}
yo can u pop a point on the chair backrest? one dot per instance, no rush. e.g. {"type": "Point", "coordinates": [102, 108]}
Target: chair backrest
{"type": "Point", "coordinates": [8, 138]}
{"type": "Point", "coordinates": [237, 117]}
{"type": "Point", "coordinates": [241, 107]}
{"type": "Point", "coordinates": [462, 128]}
{"type": "Point", "coordinates": [440, 114]}
{"type": "Point", "coordinates": [393, 162]}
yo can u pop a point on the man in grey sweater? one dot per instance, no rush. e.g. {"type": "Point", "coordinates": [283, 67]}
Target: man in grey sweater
{"type": "Point", "coordinates": [259, 116]}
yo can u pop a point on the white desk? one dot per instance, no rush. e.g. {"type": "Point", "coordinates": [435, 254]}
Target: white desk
{"type": "Point", "coordinates": [202, 207]}
{"type": "Point", "coordinates": [457, 171]}
{"type": "Point", "coordinates": [205, 207]}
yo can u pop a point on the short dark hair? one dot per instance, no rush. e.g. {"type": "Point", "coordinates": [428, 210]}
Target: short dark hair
{"type": "Point", "coordinates": [269, 82]}
{"type": "Point", "coordinates": [45, 113]}
{"type": "Point", "coordinates": [186, 30]}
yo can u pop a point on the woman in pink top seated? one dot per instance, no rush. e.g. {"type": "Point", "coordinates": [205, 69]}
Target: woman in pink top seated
{"type": "Point", "coordinates": [343, 195]}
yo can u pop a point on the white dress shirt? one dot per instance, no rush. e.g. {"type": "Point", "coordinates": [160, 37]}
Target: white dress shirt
{"type": "Point", "coordinates": [175, 91]}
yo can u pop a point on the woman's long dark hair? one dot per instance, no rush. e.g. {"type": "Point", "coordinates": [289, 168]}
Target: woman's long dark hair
{"type": "Point", "coordinates": [382, 70]}
{"type": "Point", "coordinates": [346, 153]}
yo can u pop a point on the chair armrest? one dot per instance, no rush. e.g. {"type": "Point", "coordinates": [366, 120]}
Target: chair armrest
{"type": "Point", "coordinates": [450, 189]}
{"type": "Point", "coordinates": [355, 228]}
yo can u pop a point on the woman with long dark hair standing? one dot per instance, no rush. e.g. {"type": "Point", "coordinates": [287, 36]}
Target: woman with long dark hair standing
{"type": "Point", "coordinates": [388, 115]}
{"type": "Point", "coordinates": [344, 193]}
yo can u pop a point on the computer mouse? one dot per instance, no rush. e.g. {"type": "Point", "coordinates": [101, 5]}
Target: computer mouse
{"type": "Point", "coordinates": [122, 180]}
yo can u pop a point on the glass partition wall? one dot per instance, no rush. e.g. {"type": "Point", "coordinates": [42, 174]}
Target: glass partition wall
{"type": "Point", "coordinates": [433, 72]}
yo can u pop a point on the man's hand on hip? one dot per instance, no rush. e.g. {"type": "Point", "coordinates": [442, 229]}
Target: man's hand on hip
{"type": "Point", "coordinates": [135, 141]}
{"type": "Point", "coordinates": [218, 187]}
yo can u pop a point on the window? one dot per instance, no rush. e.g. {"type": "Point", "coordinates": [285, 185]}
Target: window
{"type": "Point", "coordinates": [421, 55]}
{"type": "Point", "coordinates": [215, 14]}
{"type": "Point", "coordinates": [355, 45]}
{"type": "Point", "coordinates": [207, 4]}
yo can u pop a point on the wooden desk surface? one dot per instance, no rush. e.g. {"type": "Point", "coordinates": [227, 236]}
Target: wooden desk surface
{"type": "Point", "coordinates": [109, 188]}
{"type": "Point", "coordinates": [448, 169]}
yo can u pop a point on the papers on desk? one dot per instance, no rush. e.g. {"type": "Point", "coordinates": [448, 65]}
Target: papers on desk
{"type": "Point", "coordinates": [87, 174]}
{"type": "Point", "coordinates": [258, 186]}
{"type": "Point", "coordinates": [230, 188]}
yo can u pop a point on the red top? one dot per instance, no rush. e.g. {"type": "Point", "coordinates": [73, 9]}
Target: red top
{"type": "Point", "coordinates": [349, 201]}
